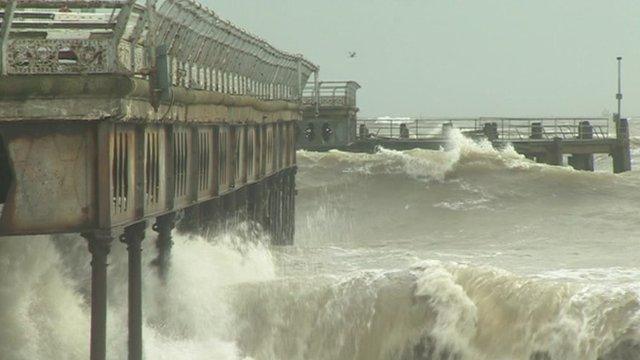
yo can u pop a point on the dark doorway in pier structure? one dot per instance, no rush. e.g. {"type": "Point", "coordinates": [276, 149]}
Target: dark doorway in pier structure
{"type": "Point", "coordinates": [6, 175]}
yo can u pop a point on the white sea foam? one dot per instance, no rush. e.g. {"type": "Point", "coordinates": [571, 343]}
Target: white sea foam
{"type": "Point", "coordinates": [545, 269]}
{"type": "Point", "coordinates": [44, 309]}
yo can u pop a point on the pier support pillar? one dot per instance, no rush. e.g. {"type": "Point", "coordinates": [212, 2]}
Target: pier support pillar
{"type": "Point", "coordinates": [621, 152]}
{"type": "Point", "coordinates": [490, 131]}
{"type": "Point", "coordinates": [133, 236]}
{"type": "Point", "coordinates": [229, 208]}
{"type": "Point", "coordinates": [190, 221]}
{"type": "Point", "coordinates": [275, 209]}
{"type": "Point", "coordinates": [291, 206]}
{"type": "Point", "coordinates": [163, 226]}
{"type": "Point", "coordinates": [553, 155]}
{"type": "Point", "coordinates": [255, 204]}
{"type": "Point", "coordinates": [217, 214]}
{"type": "Point", "coordinates": [99, 246]}
{"type": "Point", "coordinates": [282, 209]}
{"type": "Point", "coordinates": [265, 218]}
{"type": "Point", "coordinates": [262, 210]}
{"type": "Point", "coordinates": [285, 209]}
{"type": "Point", "coordinates": [271, 210]}
{"type": "Point", "coordinates": [211, 215]}
{"type": "Point", "coordinates": [274, 217]}
{"type": "Point", "coordinates": [583, 161]}
{"type": "Point", "coordinates": [242, 209]}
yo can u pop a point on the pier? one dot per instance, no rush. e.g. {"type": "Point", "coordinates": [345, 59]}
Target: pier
{"type": "Point", "coordinates": [330, 122]}
{"type": "Point", "coordinates": [116, 118]}
{"type": "Point", "coordinates": [545, 140]}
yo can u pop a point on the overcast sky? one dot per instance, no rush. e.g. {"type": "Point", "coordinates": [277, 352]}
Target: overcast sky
{"type": "Point", "coordinates": [461, 58]}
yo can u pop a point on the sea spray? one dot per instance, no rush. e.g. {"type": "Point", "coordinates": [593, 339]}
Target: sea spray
{"type": "Point", "coordinates": [527, 262]}
{"type": "Point", "coordinates": [44, 299]}
{"type": "Point", "coordinates": [42, 316]}
{"type": "Point", "coordinates": [193, 306]}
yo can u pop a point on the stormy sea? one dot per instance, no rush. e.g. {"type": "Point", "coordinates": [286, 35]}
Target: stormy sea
{"type": "Point", "coordinates": [472, 253]}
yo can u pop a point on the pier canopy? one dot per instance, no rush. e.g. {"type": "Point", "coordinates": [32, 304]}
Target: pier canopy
{"type": "Point", "coordinates": [202, 50]}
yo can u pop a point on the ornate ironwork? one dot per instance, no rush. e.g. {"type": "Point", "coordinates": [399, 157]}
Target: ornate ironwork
{"type": "Point", "coordinates": [204, 52]}
{"type": "Point", "coordinates": [32, 56]}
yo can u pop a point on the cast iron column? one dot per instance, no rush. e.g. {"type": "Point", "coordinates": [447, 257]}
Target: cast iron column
{"type": "Point", "coordinates": [163, 226]}
{"type": "Point", "coordinates": [99, 246]}
{"type": "Point", "coordinates": [133, 236]}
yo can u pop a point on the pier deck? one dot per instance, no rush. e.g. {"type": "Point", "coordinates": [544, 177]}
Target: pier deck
{"type": "Point", "coordinates": [542, 139]}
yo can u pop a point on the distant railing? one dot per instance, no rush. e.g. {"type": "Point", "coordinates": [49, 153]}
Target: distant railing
{"type": "Point", "coordinates": [495, 128]}
{"type": "Point", "coordinates": [331, 94]}
{"type": "Point", "coordinates": [99, 36]}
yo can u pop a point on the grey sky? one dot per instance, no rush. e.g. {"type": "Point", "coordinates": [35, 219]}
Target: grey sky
{"type": "Point", "coordinates": [461, 58]}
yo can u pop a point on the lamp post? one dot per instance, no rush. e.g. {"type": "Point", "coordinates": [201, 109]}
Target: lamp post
{"type": "Point", "coordinates": [619, 94]}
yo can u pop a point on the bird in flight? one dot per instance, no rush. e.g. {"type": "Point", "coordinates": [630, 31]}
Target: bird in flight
{"type": "Point", "coordinates": [352, 54]}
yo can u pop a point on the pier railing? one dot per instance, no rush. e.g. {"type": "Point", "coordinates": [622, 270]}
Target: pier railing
{"type": "Point", "coordinates": [509, 129]}
{"type": "Point", "coordinates": [331, 94]}
{"type": "Point", "coordinates": [201, 50]}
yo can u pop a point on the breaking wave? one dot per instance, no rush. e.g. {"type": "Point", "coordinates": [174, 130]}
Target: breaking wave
{"type": "Point", "coordinates": [437, 310]}
{"type": "Point", "coordinates": [44, 297]}
{"type": "Point", "coordinates": [467, 254]}
{"type": "Point", "coordinates": [464, 157]}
